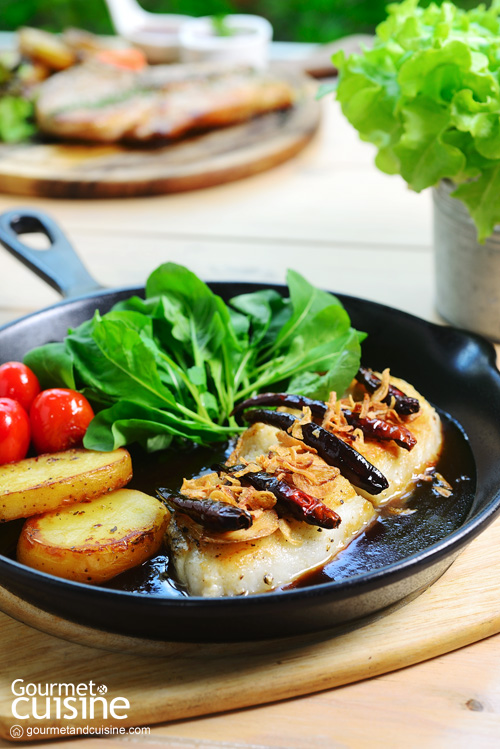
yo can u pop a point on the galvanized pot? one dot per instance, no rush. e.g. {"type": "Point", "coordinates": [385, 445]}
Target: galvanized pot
{"type": "Point", "coordinates": [467, 273]}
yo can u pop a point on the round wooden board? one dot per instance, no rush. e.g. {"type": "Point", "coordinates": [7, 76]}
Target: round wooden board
{"type": "Point", "coordinates": [71, 170]}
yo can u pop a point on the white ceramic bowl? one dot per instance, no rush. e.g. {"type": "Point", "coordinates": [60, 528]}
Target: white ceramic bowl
{"type": "Point", "coordinates": [158, 37]}
{"type": "Point", "coordinates": [157, 34]}
{"type": "Point", "coordinates": [248, 44]}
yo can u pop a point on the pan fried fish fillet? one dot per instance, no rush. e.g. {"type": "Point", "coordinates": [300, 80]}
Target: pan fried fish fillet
{"type": "Point", "coordinates": [212, 569]}
{"type": "Point", "coordinates": [104, 104]}
{"type": "Point", "coordinates": [228, 564]}
{"type": "Point", "coordinates": [209, 565]}
{"type": "Point", "coordinates": [400, 467]}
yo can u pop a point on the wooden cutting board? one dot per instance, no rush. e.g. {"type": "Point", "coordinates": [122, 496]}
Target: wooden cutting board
{"type": "Point", "coordinates": [68, 170]}
{"type": "Point", "coordinates": [185, 680]}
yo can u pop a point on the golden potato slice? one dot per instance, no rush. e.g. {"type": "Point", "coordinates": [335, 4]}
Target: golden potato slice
{"type": "Point", "coordinates": [46, 48]}
{"type": "Point", "coordinates": [96, 540]}
{"type": "Point", "coordinates": [37, 485]}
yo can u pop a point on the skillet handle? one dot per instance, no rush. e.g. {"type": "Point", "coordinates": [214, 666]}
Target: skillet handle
{"type": "Point", "coordinates": [59, 265]}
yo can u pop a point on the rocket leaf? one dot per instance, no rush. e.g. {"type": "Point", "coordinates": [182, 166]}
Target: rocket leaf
{"type": "Point", "coordinates": [174, 365]}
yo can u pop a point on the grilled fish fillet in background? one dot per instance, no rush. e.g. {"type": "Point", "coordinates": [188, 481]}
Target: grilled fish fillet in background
{"type": "Point", "coordinates": [100, 103]}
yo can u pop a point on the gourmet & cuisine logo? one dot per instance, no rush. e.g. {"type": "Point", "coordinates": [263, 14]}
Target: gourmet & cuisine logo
{"type": "Point", "coordinates": [67, 709]}
{"type": "Point", "coordinates": [66, 701]}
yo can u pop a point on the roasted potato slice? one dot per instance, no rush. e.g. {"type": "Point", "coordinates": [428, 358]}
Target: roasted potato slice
{"type": "Point", "coordinates": [94, 541]}
{"type": "Point", "coordinates": [37, 485]}
{"type": "Point", "coordinates": [46, 48]}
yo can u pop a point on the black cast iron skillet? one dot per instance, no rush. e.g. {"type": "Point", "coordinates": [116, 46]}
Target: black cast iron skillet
{"type": "Point", "coordinates": [453, 369]}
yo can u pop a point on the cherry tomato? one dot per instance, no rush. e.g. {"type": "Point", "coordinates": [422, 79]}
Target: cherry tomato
{"type": "Point", "coordinates": [14, 431]}
{"type": "Point", "coordinates": [18, 382]}
{"type": "Point", "coordinates": [59, 419]}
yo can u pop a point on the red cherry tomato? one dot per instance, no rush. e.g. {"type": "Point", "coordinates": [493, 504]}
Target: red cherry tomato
{"type": "Point", "coordinates": [18, 382]}
{"type": "Point", "coordinates": [14, 431]}
{"type": "Point", "coordinates": [59, 419]}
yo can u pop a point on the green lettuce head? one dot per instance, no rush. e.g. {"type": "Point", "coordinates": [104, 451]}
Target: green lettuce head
{"type": "Point", "coordinates": [427, 95]}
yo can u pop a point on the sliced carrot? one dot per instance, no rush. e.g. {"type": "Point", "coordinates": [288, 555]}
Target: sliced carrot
{"type": "Point", "coordinates": [127, 59]}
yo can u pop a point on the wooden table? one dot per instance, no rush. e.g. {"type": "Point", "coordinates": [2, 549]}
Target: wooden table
{"type": "Point", "coordinates": [333, 217]}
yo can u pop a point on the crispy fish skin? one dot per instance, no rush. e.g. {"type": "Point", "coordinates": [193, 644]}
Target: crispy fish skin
{"type": "Point", "coordinates": [102, 104]}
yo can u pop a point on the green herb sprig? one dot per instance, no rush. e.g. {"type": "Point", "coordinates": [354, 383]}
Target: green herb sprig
{"type": "Point", "coordinates": [428, 96]}
{"type": "Point", "coordinates": [172, 366]}
{"type": "Point", "coordinates": [220, 25]}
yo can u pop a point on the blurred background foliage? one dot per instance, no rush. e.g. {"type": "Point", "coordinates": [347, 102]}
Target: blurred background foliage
{"type": "Point", "coordinates": [293, 20]}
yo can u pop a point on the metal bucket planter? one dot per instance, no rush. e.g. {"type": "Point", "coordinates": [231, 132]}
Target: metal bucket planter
{"type": "Point", "coordinates": [467, 273]}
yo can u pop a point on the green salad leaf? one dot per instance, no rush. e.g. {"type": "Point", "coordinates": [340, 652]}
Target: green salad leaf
{"type": "Point", "coordinates": [16, 119]}
{"type": "Point", "coordinates": [17, 111]}
{"type": "Point", "coordinates": [172, 366]}
{"type": "Point", "coordinates": [427, 95]}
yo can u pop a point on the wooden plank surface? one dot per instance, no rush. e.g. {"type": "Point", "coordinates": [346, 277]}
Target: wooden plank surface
{"type": "Point", "coordinates": [329, 214]}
